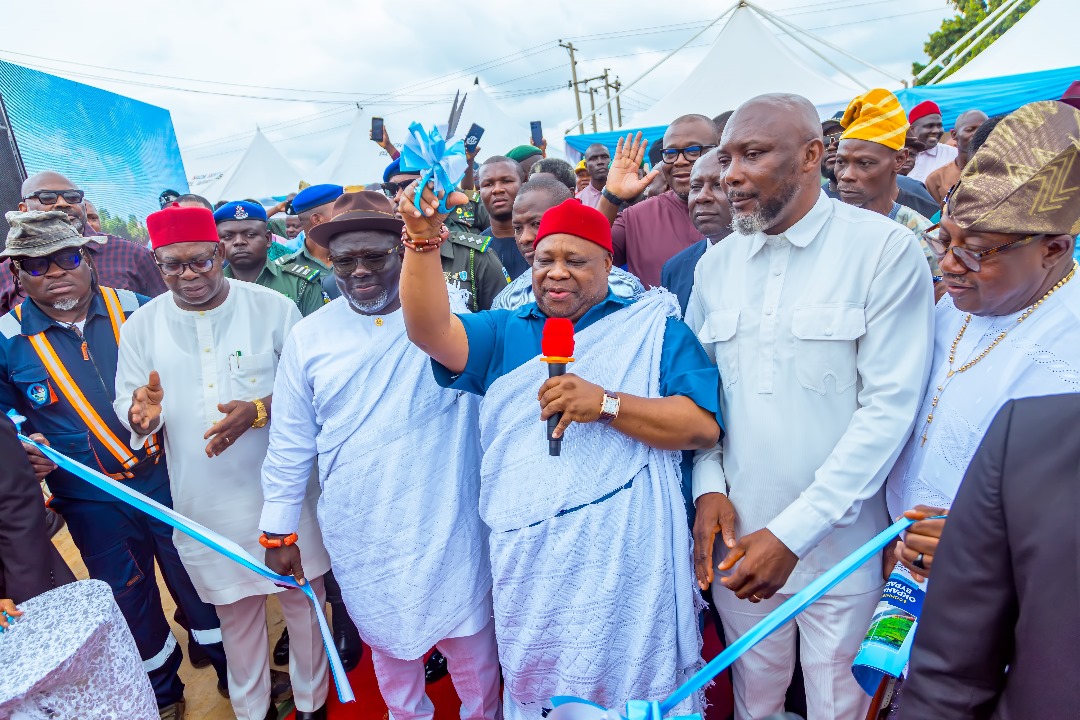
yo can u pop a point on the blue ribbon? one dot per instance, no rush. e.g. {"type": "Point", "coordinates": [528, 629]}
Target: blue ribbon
{"type": "Point", "coordinates": [773, 621]}
{"type": "Point", "coordinates": [429, 154]}
{"type": "Point", "coordinates": [206, 536]}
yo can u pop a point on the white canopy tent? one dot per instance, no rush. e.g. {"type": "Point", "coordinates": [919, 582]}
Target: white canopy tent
{"type": "Point", "coordinates": [261, 173]}
{"type": "Point", "coordinates": [1044, 39]}
{"type": "Point", "coordinates": [716, 84]}
{"type": "Point", "coordinates": [357, 160]}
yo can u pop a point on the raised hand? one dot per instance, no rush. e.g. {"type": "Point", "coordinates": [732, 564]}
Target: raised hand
{"type": "Point", "coordinates": [622, 179]}
{"type": "Point", "coordinates": [425, 224]}
{"type": "Point", "coordinates": [239, 415]}
{"type": "Point", "coordinates": [146, 405]}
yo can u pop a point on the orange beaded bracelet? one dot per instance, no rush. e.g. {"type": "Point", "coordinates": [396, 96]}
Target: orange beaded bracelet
{"type": "Point", "coordinates": [268, 542]}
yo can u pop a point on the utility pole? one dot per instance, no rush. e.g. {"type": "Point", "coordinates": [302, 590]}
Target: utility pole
{"type": "Point", "coordinates": [592, 106]}
{"type": "Point", "coordinates": [618, 100]}
{"type": "Point", "coordinates": [574, 83]}
{"type": "Point", "coordinates": [607, 91]}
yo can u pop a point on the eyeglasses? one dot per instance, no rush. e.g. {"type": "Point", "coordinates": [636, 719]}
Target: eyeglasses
{"type": "Point", "coordinates": [391, 189]}
{"type": "Point", "coordinates": [199, 266]}
{"type": "Point", "coordinates": [833, 138]}
{"type": "Point", "coordinates": [345, 265]}
{"type": "Point", "coordinates": [691, 153]}
{"type": "Point", "coordinates": [38, 266]}
{"type": "Point", "coordinates": [970, 258]}
{"type": "Point", "coordinates": [49, 197]}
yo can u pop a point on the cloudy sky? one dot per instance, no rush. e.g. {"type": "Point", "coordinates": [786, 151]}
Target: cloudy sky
{"type": "Point", "coordinates": [296, 69]}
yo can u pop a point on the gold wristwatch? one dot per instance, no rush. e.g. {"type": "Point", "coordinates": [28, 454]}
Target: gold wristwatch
{"type": "Point", "coordinates": [262, 418]}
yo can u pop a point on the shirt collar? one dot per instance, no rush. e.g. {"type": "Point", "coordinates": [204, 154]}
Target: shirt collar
{"type": "Point", "coordinates": [532, 310]}
{"type": "Point", "coordinates": [34, 319]}
{"type": "Point", "coordinates": [803, 232]}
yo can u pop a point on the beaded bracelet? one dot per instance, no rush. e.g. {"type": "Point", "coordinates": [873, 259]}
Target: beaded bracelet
{"type": "Point", "coordinates": [424, 245]}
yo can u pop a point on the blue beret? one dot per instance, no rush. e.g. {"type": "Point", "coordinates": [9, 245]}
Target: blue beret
{"type": "Point", "coordinates": [240, 210]}
{"type": "Point", "coordinates": [314, 196]}
{"type": "Point", "coordinates": [392, 169]}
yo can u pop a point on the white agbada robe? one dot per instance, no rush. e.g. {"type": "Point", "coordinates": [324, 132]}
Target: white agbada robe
{"type": "Point", "coordinates": [399, 466]}
{"type": "Point", "coordinates": [594, 587]}
{"type": "Point", "coordinates": [205, 358]}
{"type": "Point", "coordinates": [1040, 356]}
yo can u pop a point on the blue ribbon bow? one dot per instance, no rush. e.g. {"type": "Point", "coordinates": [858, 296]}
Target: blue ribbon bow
{"type": "Point", "coordinates": [207, 537]}
{"type": "Point", "coordinates": [429, 154]}
{"type": "Point", "coordinates": [570, 708]}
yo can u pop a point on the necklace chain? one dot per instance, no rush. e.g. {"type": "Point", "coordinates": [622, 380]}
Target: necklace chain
{"type": "Point", "coordinates": [971, 363]}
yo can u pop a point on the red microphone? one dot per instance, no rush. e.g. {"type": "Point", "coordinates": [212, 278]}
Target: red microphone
{"type": "Point", "coordinates": [557, 345]}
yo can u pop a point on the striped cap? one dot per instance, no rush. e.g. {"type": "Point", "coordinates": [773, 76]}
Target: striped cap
{"type": "Point", "coordinates": [875, 116]}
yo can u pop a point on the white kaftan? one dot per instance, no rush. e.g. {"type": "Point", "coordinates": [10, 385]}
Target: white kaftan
{"type": "Point", "coordinates": [205, 358]}
{"type": "Point", "coordinates": [1041, 356]}
{"type": "Point", "coordinates": [399, 465]}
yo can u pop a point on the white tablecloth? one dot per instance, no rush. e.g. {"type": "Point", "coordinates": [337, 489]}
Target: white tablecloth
{"type": "Point", "coordinates": [71, 655]}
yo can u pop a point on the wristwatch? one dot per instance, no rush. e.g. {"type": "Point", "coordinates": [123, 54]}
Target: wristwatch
{"type": "Point", "coordinates": [262, 418]}
{"type": "Point", "coordinates": [612, 197]}
{"type": "Point", "coordinates": [609, 408]}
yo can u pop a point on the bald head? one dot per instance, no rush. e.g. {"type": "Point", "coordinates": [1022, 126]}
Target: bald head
{"type": "Point", "coordinates": [770, 158]}
{"type": "Point", "coordinates": [55, 182]}
{"type": "Point", "coordinates": [964, 130]}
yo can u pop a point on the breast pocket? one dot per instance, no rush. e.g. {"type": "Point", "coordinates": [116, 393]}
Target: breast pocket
{"type": "Point", "coordinates": [825, 345]}
{"type": "Point", "coordinates": [719, 335]}
{"type": "Point", "coordinates": [35, 386]}
{"type": "Point", "coordinates": [252, 375]}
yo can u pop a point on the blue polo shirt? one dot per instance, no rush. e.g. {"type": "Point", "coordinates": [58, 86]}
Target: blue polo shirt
{"type": "Point", "coordinates": [26, 387]}
{"type": "Point", "coordinates": [502, 340]}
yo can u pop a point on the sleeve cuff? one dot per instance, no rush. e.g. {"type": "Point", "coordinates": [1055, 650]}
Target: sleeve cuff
{"type": "Point", "coordinates": [280, 517]}
{"type": "Point", "coordinates": [709, 473]}
{"type": "Point", "coordinates": [800, 527]}
{"type": "Point", "coordinates": [138, 440]}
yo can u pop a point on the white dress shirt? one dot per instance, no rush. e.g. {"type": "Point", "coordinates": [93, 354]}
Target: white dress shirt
{"type": "Point", "coordinates": [1040, 356]}
{"type": "Point", "coordinates": [822, 335]}
{"type": "Point", "coordinates": [930, 160]}
{"type": "Point", "coordinates": [205, 358]}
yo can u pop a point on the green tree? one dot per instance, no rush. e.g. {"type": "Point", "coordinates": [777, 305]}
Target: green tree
{"type": "Point", "coordinates": [130, 229]}
{"type": "Point", "coordinates": [969, 14]}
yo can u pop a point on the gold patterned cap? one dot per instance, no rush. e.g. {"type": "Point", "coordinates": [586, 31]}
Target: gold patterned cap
{"type": "Point", "coordinates": [1026, 178]}
{"type": "Point", "coordinates": [876, 116]}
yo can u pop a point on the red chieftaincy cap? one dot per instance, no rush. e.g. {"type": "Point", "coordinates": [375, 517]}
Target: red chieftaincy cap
{"type": "Point", "coordinates": [177, 224]}
{"type": "Point", "coordinates": [572, 218]}
{"type": "Point", "coordinates": [926, 107]}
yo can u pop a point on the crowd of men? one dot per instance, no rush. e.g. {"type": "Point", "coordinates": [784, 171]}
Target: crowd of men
{"type": "Point", "coordinates": [787, 331]}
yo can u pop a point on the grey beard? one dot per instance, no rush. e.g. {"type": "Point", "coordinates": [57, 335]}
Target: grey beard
{"type": "Point", "coordinates": [750, 224]}
{"type": "Point", "coordinates": [372, 307]}
{"type": "Point", "coordinates": [767, 212]}
{"type": "Point", "coordinates": [66, 304]}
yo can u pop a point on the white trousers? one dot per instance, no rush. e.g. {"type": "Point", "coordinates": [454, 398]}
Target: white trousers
{"type": "Point", "coordinates": [829, 633]}
{"type": "Point", "coordinates": [247, 650]}
{"type": "Point", "coordinates": [473, 662]}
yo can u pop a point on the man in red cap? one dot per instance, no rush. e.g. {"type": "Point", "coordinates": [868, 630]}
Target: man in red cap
{"type": "Point", "coordinates": [926, 126]}
{"type": "Point", "coordinates": [593, 584]}
{"type": "Point", "coordinates": [200, 361]}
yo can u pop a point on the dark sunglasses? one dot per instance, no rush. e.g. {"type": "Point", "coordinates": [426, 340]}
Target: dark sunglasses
{"type": "Point", "coordinates": [49, 197]}
{"type": "Point", "coordinates": [345, 265]}
{"type": "Point", "coordinates": [971, 259]}
{"type": "Point", "coordinates": [691, 153]}
{"type": "Point", "coordinates": [391, 189]}
{"type": "Point", "coordinates": [38, 266]}
{"type": "Point", "coordinates": [200, 266]}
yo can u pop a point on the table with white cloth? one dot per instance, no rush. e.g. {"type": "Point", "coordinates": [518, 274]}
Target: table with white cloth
{"type": "Point", "coordinates": [71, 655]}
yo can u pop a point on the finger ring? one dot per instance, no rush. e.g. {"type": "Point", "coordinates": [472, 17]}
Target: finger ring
{"type": "Point", "coordinates": [918, 562]}
{"type": "Point", "coordinates": [228, 441]}
{"type": "Point", "coordinates": [759, 599]}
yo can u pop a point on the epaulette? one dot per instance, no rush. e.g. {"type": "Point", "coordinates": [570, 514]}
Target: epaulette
{"type": "Point", "coordinates": [286, 259]}
{"type": "Point", "coordinates": [302, 271]}
{"type": "Point", "coordinates": [470, 240]}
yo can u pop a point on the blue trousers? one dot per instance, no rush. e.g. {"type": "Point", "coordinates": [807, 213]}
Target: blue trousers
{"type": "Point", "coordinates": [119, 545]}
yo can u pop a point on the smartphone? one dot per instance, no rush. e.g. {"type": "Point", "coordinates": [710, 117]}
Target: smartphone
{"type": "Point", "coordinates": [376, 129]}
{"type": "Point", "coordinates": [472, 139]}
{"type": "Point", "coordinates": [537, 133]}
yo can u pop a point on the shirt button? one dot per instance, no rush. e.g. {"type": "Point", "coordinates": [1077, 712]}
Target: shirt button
{"type": "Point", "coordinates": [768, 311]}
{"type": "Point", "coordinates": [775, 272]}
{"type": "Point", "coordinates": [206, 349]}
{"type": "Point", "coordinates": [828, 331]}
{"type": "Point", "coordinates": [210, 385]}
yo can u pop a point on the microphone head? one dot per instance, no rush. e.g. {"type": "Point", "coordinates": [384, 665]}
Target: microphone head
{"type": "Point", "coordinates": [558, 338]}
